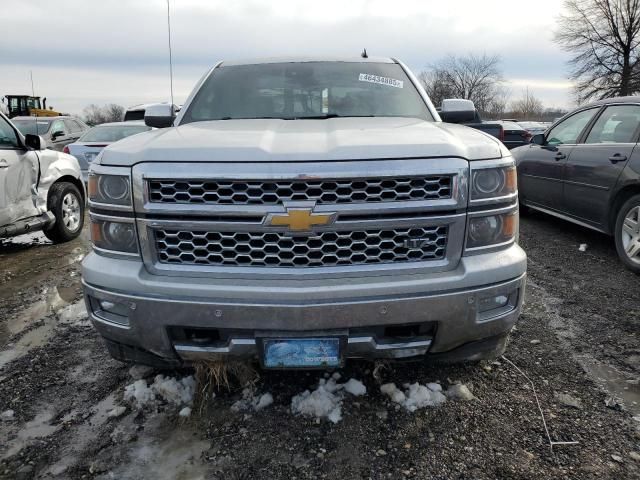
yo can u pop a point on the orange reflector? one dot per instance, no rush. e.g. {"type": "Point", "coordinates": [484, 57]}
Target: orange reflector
{"type": "Point", "coordinates": [92, 187]}
{"type": "Point", "coordinates": [509, 225]}
{"type": "Point", "coordinates": [510, 180]}
{"type": "Point", "coordinates": [96, 232]}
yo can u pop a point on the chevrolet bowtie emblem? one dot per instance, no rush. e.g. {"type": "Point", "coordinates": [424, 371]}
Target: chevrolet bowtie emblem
{"type": "Point", "coordinates": [299, 219]}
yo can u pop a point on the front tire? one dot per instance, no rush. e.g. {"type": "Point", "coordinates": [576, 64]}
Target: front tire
{"type": "Point", "coordinates": [67, 205]}
{"type": "Point", "coordinates": [627, 233]}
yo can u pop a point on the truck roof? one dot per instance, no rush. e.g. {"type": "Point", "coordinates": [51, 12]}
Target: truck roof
{"type": "Point", "coordinates": [257, 61]}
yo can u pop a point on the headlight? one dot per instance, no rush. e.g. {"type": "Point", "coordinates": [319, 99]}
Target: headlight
{"type": "Point", "coordinates": [493, 182]}
{"type": "Point", "coordinates": [110, 189]}
{"type": "Point", "coordinates": [491, 230]}
{"type": "Point", "coordinates": [116, 236]}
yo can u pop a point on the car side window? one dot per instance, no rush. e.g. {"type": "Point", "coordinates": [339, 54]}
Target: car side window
{"type": "Point", "coordinates": [58, 126]}
{"type": "Point", "coordinates": [617, 124]}
{"type": "Point", "coordinates": [569, 130]}
{"type": "Point", "coordinates": [71, 126]}
{"type": "Point", "coordinates": [8, 138]}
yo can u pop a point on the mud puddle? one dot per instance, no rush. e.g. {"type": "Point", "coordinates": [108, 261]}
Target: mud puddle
{"type": "Point", "coordinates": [623, 388]}
{"type": "Point", "coordinates": [70, 314]}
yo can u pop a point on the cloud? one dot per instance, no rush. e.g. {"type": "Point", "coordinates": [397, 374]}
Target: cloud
{"type": "Point", "coordinates": [86, 51]}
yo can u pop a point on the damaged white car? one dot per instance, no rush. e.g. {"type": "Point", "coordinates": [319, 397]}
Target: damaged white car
{"type": "Point", "coordinates": [40, 189]}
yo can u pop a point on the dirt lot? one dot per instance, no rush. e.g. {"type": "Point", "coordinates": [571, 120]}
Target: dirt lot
{"type": "Point", "coordinates": [579, 335]}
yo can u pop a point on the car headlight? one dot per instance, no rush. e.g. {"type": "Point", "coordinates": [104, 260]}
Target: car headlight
{"type": "Point", "coordinates": [489, 230]}
{"type": "Point", "coordinates": [115, 236]}
{"type": "Point", "coordinates": [109, 189]}
{"type": "Point", "coordinates": [493, 182]}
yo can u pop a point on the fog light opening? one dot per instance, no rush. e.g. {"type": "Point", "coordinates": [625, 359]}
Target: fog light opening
{"type": "Point", "coordinates": [111, 311]}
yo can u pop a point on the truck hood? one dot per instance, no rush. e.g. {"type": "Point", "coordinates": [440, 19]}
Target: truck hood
{"type": "Point", "coordinates": [273, 140]}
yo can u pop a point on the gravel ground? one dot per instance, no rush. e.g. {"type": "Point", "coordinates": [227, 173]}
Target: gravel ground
{"type": "Point", "coordinates": [577, 341]}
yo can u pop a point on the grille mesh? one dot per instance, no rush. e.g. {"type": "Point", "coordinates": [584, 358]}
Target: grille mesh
{"type": "Point", "coordinates": [324, 249]}
{"type": "Point", "coordinates": [259, 192]}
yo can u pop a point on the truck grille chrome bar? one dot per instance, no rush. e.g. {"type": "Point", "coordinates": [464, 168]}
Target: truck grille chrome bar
{"type": "Point", "coordinates": [323, 192]}
{"type": "Point", "coordinates": [323, 249]}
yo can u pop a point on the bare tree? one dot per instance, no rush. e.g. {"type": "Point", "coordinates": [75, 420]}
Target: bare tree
{"type": "Point", "coordinates": [528, 107]}
{"type": "Point", "coordinates": [473, 77]}
{"type": "Point", "coordinates": [603, 36]}
{"type": "Point", "coordinates": [95, 115]}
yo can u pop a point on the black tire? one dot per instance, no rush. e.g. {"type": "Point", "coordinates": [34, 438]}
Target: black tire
{"type": "Point", "coordinates": [60, 231]}
{"type": "Point", "coordinates": [627, 208]}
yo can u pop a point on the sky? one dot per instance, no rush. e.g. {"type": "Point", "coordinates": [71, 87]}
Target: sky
{"type": "Point", "coordinates": [115, 51]}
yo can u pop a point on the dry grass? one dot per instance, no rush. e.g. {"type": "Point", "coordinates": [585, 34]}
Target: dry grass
{"type": "Point", "coordinates": [212, 376]}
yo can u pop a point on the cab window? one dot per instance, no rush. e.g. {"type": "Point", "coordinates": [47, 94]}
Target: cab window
{"type": "Point", "coordinates": [617, 124]}
{"type": "Point", "coordinates": [569, 130]}
{"type": "Point", "coordinates": [8, 137]}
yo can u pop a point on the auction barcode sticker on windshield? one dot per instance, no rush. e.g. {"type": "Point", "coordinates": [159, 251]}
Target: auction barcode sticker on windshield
{"type": "Point", "coordinates": [390, 82]}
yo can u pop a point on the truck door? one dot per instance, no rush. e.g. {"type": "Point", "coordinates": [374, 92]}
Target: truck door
{"type": "Point", "coordinates": [541, 167]}
{"type": "Point", "coordinates": [595, 165]}
{"type": "Point", "coordinates": [18, 174]}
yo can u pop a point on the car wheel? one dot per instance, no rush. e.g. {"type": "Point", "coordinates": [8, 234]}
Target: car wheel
{"type": "Point", "coordinates": [627, 233]}
{"type": "Point", "coordinates": [67, 206]}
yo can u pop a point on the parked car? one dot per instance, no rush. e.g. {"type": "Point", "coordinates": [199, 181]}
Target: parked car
{"type": "Point", "coordinates": [534, 128]}
{"type": "Point", "coordinates": [40, 189]}
{"type": "Point", "coordinates": [57, 132]}
{"type": "Point", "coordinates": [91, 143]}
{"type": "Point", "coordinates": [514, 134]}
{"type": "Point", "coordinates": [300, 212]}
{"type": "Point", "coordinates": [586, 169]}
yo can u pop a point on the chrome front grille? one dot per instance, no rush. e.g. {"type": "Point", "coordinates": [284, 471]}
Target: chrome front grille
{"type": "Point", "coordinates": [323, 192]}
{"type": "Point", "coordinates": [323, 249]}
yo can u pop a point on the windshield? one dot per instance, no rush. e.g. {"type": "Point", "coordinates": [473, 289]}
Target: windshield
{"type": "Point", "coordinates": [112, 133]}
{"type": "Point", "coordinates": [311, 90]}
{"type": "Point", "coordinates": [32, 127]}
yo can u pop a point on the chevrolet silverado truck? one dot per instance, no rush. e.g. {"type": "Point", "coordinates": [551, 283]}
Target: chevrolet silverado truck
{"type": "Point", "coordinates": [300, 212]}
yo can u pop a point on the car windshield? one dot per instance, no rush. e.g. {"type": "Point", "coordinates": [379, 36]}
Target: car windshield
{"type": "Point", "coordinates": [307, 90]}
{"type": "Point", "coordinates": [32, 127]}
{"type": "Point", "coordinates": [112, 133]}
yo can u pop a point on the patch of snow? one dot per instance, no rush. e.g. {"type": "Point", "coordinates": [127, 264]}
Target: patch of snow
{"type": "Point", "coordinates": [460, 391]}
{"type": "Point", "coordinates": [415, 396]}
{"type": "Point", "coordinates": [74, 313]}
{"type": "Point", "coordinates": [323, 402]}
{"type": "Point", "coordinates": [140, 392]}
{"type": "Point", "coordinates": [393, 393]}
{"type": "Point", "coordinates": [178, 392]}
{"type": "Point", "coordinates": [326, 400]}
{"type": "Point", "coordinates": [7, 415]}
{"type": "Point", "coordinates": [171, 390]}
{"type": "Point", "coordinates": [249, 401]}
{"type": "Point", "coordinates": [355, 387]}
{"type": "Point", "coordinates": [583, 247]}
{"type": "Point", "coordinates": [185, 412]}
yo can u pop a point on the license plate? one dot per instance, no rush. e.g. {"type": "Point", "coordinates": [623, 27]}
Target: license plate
{"type": "Point", "coordinates": [301, 352]}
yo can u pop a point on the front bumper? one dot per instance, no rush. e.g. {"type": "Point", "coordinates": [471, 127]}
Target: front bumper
{"type": "Point", "coordinates": [443, 306]}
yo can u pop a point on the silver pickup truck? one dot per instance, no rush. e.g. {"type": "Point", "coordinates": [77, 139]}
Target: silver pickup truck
{"type": "Point", "coordinates": [300, 212]}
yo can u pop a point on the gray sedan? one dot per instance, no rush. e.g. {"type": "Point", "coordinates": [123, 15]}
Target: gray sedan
{"type": "Point", "coordinates": [87, 147]}
{"type": "Point", "coordinates": [586, 169]}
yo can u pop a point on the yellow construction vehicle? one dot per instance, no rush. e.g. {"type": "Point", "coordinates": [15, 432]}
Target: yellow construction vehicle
{"type": "Point", "coordinates": [25, 105]}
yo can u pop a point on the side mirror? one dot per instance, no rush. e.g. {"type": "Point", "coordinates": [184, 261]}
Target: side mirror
{"type": "Point", "coordinates": [538, 139]}
{"type": "Point", "coordinates": [160, 115]}
{"type": "Point", "coordinates": [56, 134]}
{"type": "Point", "coordinates": [35, 142]}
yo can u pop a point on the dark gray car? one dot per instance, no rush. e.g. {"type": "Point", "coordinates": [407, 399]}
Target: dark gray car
{"type": "Point", "coordinates": [586, 169]}
{"type": "Point", "coordinates": [57, 131]}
